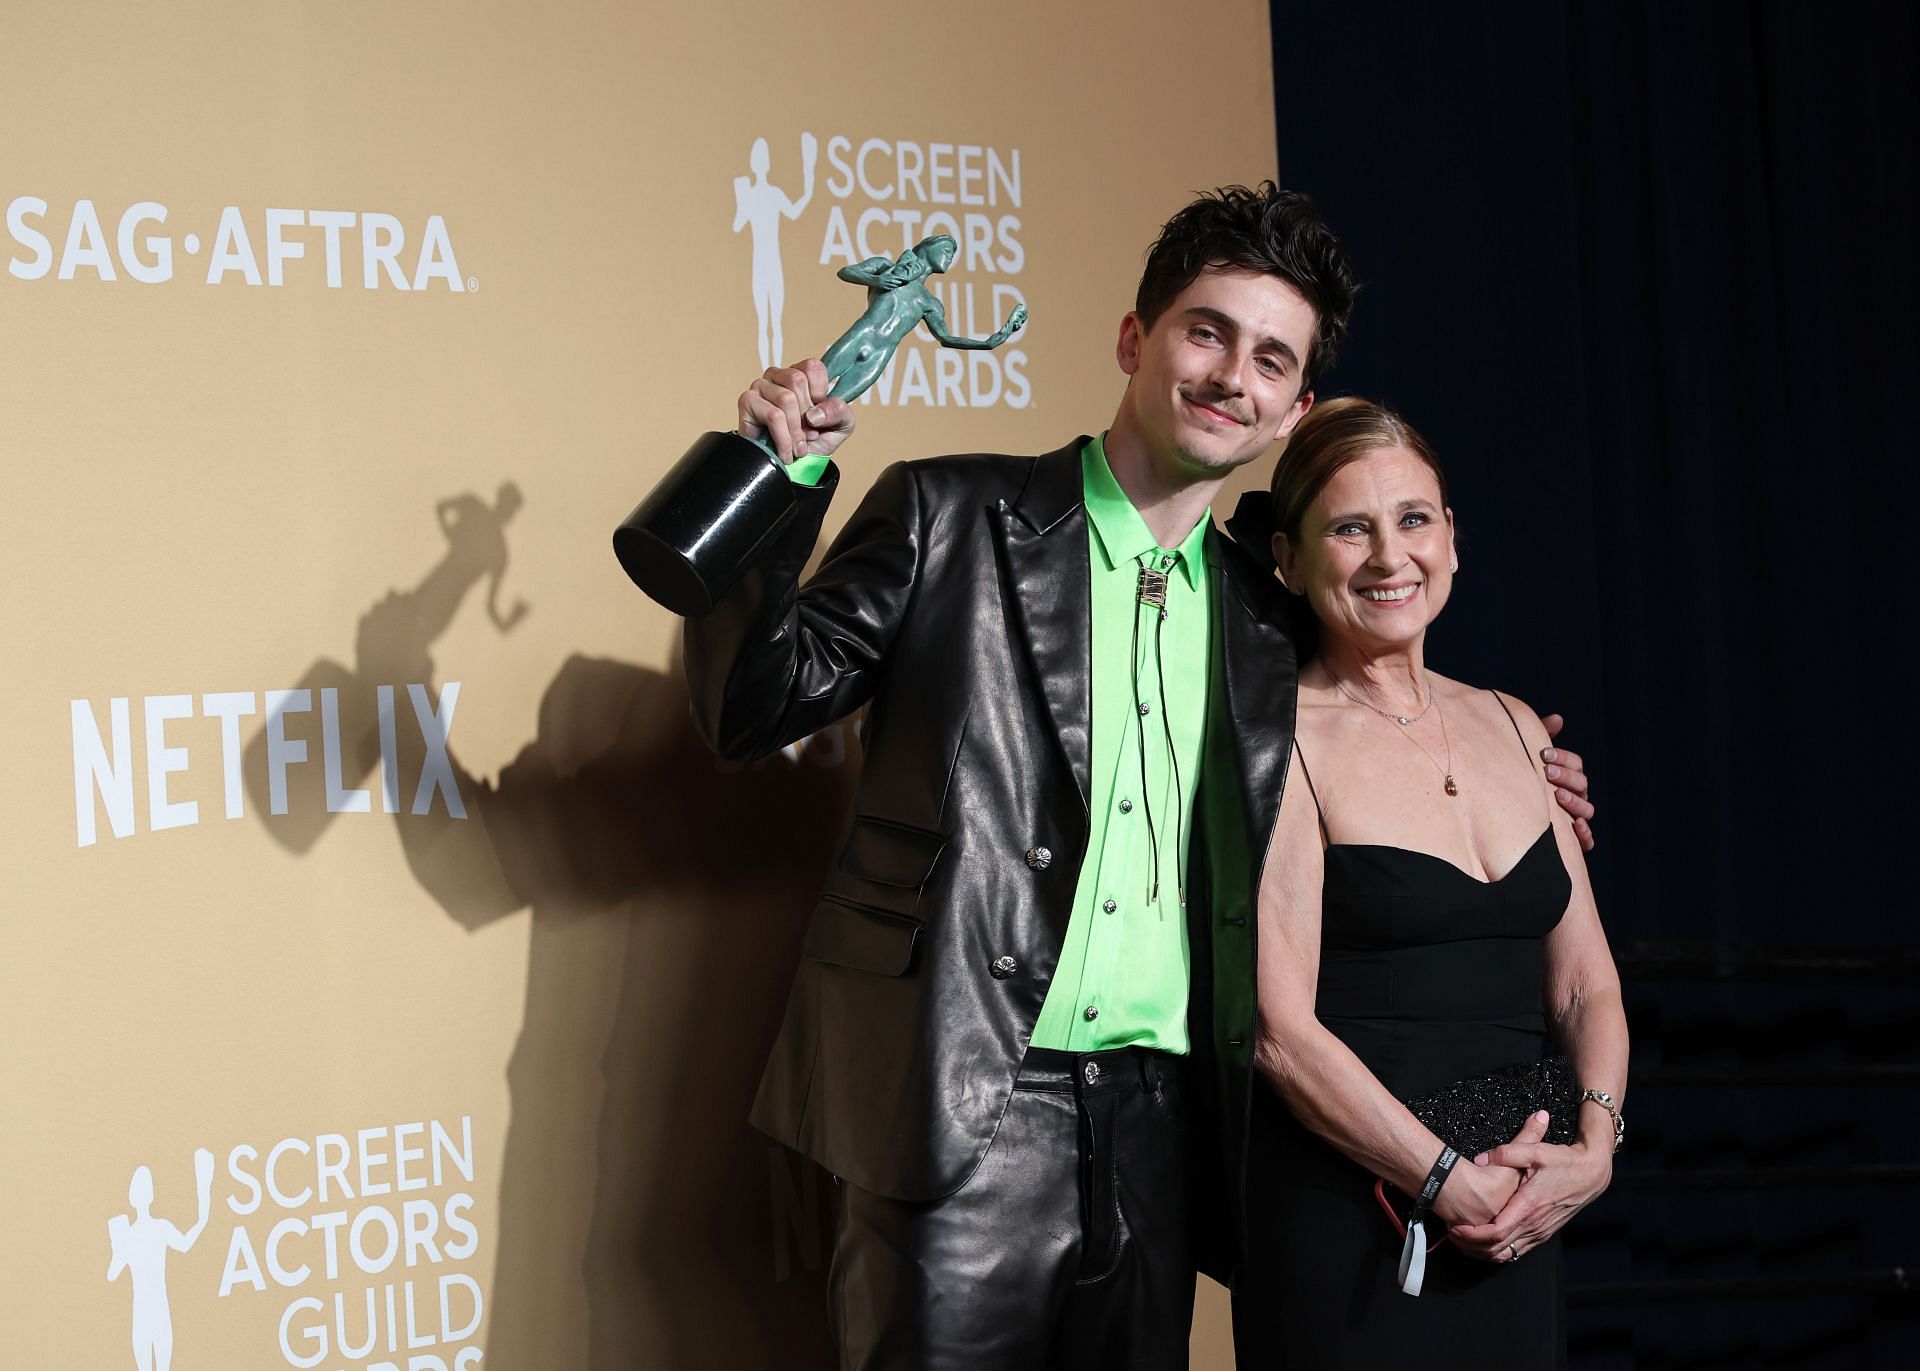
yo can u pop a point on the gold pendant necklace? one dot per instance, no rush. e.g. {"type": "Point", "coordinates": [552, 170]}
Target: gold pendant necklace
{"type": "Point", "coordinates": [1446, 772]}
{"type": "Point", "coordinates": [1404, 720]}
{"type": "Point", "coordinates": [1451, 786]}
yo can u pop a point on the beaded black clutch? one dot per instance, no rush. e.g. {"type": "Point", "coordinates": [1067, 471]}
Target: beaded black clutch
{"type": "Point", "coordinates": [1481, 1112]}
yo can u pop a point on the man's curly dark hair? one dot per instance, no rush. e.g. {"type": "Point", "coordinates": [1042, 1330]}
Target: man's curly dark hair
{"type": "Point", "coordinates": [1265, 229]}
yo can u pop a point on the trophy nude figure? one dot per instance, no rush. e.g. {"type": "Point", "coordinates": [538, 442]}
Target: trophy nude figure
{"type": "Point", "coordinates": [689, 541]}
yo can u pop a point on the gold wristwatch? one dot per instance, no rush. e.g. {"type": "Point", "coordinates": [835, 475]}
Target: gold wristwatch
{"type": "Point", "coordinates": [1605, 1101]}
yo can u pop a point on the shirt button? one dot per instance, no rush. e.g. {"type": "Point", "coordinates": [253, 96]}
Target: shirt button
{"type": "Point", "coordinates": [1109, 906]}
{"type": "Point", "coordinates": [1002, 968]}
{"type": "Point", "coordinates": [1145, 708]}
{"type": "Point", "coordinates": [1126, 806]}
{"type": "Point", "coordinates": [1039, 858]}
{"type": "Point", "coordinates": [1093, 1012]}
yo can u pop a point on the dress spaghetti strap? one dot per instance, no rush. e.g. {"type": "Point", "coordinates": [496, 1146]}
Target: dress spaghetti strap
{"type": "Point", "coordinates": [1318, 808]}
{"type": "Point", "coordinates": [1516, 728]}
{"type": "Point", "coordinates": [1535, 761]}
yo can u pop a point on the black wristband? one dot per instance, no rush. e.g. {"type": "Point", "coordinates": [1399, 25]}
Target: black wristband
{"type": "Point", "coordinates": [1437, 1177]}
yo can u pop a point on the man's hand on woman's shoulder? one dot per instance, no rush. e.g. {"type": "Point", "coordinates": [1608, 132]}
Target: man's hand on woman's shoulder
{"type": "Point", "coordinates": [1568, 775]}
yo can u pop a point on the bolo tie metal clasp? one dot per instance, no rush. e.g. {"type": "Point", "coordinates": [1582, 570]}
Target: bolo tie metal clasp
{"type": "Point", "coordinates": [1153, 588]}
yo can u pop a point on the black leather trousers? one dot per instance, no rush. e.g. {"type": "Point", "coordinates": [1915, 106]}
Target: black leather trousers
{"type": "Point", "coordinates": [1067, 1249]}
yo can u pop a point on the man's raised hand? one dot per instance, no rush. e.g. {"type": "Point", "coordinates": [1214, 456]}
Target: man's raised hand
{"type": "Point", "coordinates": [790, 407]}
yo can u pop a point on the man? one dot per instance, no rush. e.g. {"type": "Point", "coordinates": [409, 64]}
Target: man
{"type": "Point", "coordinates": [1032, 968]}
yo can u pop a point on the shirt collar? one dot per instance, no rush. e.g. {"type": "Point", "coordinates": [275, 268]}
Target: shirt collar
{"type": "Point", "coordinates": [1119, 532]}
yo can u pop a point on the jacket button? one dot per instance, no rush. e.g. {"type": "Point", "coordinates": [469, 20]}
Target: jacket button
{"type": "Point", "coordinates": [1039, 858]}
{"type": "Point", "coordinates": [1003, 967]}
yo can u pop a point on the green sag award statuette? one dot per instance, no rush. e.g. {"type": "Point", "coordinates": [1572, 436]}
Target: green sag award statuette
{"type": "Point", "coordinates": [694, 536]}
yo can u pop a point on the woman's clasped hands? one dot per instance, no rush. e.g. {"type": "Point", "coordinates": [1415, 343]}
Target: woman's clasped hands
{"type": "Point", "coordinates": [1541, 1185]}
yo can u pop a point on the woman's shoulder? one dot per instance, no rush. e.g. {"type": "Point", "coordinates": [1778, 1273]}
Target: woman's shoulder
{"type": "Point", "coordinates": [1487, 705]}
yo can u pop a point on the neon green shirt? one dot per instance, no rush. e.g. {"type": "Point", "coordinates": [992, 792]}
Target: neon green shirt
{"type": "Point", "coordinates": [807, 471]}
{"type": "Point", "coordinates": [1123, 972]}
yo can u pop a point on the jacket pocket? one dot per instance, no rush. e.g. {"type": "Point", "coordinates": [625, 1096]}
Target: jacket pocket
{"type": "Point", "coordinates": [891, 854]}
{"type": "Point", "coordinates": [849, 935]}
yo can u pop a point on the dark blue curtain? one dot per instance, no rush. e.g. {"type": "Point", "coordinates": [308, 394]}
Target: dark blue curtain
{"type": "Point", "coordinates": [1645, 276]}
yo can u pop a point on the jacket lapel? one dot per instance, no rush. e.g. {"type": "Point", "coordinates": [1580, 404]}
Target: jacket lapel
{"type": "Point", "coordinates": [1043, 539]}
{"type": "Point", "coordinates": [1260, 682]}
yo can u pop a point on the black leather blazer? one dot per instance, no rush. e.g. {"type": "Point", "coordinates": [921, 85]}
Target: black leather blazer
{"type": "Point", "coordinates": [956, 605]}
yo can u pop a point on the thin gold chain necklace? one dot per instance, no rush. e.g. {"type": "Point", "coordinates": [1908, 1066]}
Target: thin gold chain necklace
{"type": "Point", "coordinates": [1403, 720]}
{"type": "Point", "coordinates": [1433, 698]}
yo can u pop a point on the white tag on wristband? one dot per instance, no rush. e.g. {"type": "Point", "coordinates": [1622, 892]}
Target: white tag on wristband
{"type": "Point", "coordinates": [1413, 1252]}
{"type": "Point", "coordinates": [1413, 1258]}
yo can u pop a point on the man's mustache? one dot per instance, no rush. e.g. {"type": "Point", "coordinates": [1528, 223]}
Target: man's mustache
{"type": "Point", "coordinates": [1217, 400]}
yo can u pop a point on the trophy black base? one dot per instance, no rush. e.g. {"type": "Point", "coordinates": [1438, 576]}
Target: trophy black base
{"type": "Point", "coordinates": [690, 541]}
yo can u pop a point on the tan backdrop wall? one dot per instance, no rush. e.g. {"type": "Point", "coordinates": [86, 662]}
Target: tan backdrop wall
{"type": "Point", "coordinates": [358, 838]}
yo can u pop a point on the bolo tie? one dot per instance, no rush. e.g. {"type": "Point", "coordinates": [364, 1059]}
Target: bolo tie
{"type": "Point", "coordinates": [1151, 590]}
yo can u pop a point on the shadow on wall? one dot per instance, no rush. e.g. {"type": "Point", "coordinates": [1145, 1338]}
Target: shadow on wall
{"type": "Point", "coordinates": [642, 1222]}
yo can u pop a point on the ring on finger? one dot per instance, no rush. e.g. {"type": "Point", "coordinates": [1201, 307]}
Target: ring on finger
{"type": "Point", "coordinates": [1513, 1253]}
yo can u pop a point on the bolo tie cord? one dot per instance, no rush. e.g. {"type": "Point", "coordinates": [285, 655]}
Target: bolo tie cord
{"type": "Point", "coordinates": [1153, 592]}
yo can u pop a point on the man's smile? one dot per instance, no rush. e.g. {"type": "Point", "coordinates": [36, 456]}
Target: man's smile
{"type": "Point", "coordinates": [1214, 412]}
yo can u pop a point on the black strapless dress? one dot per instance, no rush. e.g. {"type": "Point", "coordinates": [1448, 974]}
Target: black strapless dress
{"type": "Point", "coordinates": [1429, 975]}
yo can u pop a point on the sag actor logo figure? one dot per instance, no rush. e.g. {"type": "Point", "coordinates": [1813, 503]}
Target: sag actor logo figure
{"type": "Point", "coordinates": [760, 205]}
{"type": "Point", "coordinates": [140, 1245]}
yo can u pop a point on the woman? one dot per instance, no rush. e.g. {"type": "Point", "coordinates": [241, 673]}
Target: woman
{"type": "Point", "coordinates": [1425, 920]}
